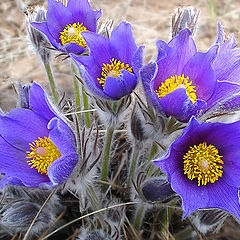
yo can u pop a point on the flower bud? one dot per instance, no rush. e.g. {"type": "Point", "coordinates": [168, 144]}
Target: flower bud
{"type": "Point", "coordinates": [23, 95]}
{"type": "Point", "coordinates": [40, 44]}
{"type": "Point", "coordinates": [17, 217]}
{"type": "Point", "coordinates": [208, 220]}
{"type": "Point", "coordinates": [105, 28]}
{"type": "Point", "coordinates": [4, 235]}
{"type": "Point", "coordinates": [137, 125]}
{"type": "Point", "coordinates": [158, 189]}
{"type": "Point", "coordinates": [185, 18]}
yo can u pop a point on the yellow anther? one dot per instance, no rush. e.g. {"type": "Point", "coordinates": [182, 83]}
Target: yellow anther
{"type": "Point", "coordinates": [43, 153]}
{"type": "Point", "coordinates": [113, 70]}
{"type": "Point", "coordinates": [203, 163]}
{"type": "Point", "coordinates": [175, 82]}
{"type": "Point", "coordinates": [72, 34]}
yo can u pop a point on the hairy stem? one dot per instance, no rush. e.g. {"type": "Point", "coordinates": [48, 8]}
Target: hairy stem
{"type": "Point", "coordinates": [76, 90]}
{"type": "Point", "coordinates": [86, 107]}
{"type": "Point", "coordinates": [139, 216]}
{"type": "Point", "coordinates": [106, 154]}
{"type": "Point", "coordinates": [51, 81]}
{"type": "Point", "coordinates": [133, 165]}
{"type": "Point", "coordinates": [153, 152]}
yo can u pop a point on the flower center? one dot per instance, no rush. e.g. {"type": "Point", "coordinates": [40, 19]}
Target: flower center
{"type": "Point", "coordinates": [203, 162]}
{"type": "Point", "coordinates": [113, 70]}
{"type": "Point", "coordinates": [43, 153]}
{"type": "Point", "coordinates": [72, 34]}
{"type": "Point", "coordinates": [175, 82]}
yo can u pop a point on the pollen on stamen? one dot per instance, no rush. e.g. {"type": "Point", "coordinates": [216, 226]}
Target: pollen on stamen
{"type": "Point", "coordinates": [42, 153]}
{"type": "Point", "coordinates": [72, 34]}
{"type": "Point", "coordinates": [113, 70]}
{"type": "Point", "coordinates": [202, 162]}
{"type": "Point", "coordinates": [171, 84]}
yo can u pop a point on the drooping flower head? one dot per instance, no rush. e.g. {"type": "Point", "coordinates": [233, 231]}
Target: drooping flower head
{"type": "Point", "coordinates": [111, 70]}
{"type": "Point", "coordinates": [37, 145]}
{"type": "Point", "coordinates": [203, 166]}
{"type": "Point", "coordinates": [183, 81]}
{"type": "Point", "coordinates": [65, 24]}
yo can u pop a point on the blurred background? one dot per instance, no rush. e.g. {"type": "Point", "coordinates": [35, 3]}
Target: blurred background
{"type": "Point", "coordinates": [151, 20]}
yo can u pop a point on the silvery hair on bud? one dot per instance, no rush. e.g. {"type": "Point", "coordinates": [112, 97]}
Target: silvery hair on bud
{"type": "Point", "coordinates": [185, 18]}
{"type": "Point", "coordinates": [208, 220]}
{"type": "Point", "coordinates": [157, 189]}
{"type": "Point", "coordinates": [16, 217]}
{"type": "Point", "coordinates": [19, 206]}
{"type": "Point", "coordinates": [38, 42]}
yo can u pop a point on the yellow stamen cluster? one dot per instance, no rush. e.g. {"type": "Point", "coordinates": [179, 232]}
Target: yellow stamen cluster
{"type": "Point", "coordinates": [204, 163]}
{"type": "Point", "coordinates": [43, 153]}
{"type": "Point", "coordinates": [175, 82]}
{"type": "Point", "coordinates": [113, 70]}
{"type": "Point", "coordinates": [72, 34]}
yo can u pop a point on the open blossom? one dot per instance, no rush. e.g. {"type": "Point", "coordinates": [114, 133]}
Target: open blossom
{"type": "Point", "coordinates": [111, 70]}
{"type": "Point", "coordinates": [184, 82]}
{"type": "Point", "coordinates": [37, 146]}
{"type": "Point", "coordinates": [203, 166]}
{"type": "Point", "coordinates": [65, 24]}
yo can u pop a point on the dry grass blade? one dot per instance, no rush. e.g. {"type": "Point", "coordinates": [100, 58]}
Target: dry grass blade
{"type": "Point", "coordinates": [14, 237]}
{"type": "Point", "coordinates": [53, 224]}
{"type": "Point", "coordinates": [87, 215]}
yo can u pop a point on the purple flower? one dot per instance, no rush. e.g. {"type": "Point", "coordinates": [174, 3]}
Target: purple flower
{"type": "Point", "coordinates": [183, 81]}
{"type": "Point", "coordinates": [203, 166]}
{"type": "Point", "coordinates": [37, 146]}
{"type": "Point", "coordinates": [111, 70]}
{"type": "Point", "coordinates": [65, 23]}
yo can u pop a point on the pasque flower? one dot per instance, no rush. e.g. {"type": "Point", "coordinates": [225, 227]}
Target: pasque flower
{"type": "Point", "coordinates": [65, 24]}
{"type": "Point", "coordinates": [111, 70]}
{"type": "Point", "coordinates": [183, 81]}
{"type": "Point", "coordinates": [37, 145]}
{"type": "Point", "coordinates": [203, 166]}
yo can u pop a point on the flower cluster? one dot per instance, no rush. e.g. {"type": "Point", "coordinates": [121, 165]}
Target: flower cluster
{"type": "Point", "coordinates": [197, 160]}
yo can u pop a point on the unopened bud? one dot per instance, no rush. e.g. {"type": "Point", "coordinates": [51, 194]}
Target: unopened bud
{"type": "Point", "coordinates": [23, 95]}
{"type": "Point", "coordinates": [208, 220]}
{"type": "Point", "coordinates": [16, 217]}
{"type": "Point", "coordinates": [137, 125]}
{"type": "Point", "coordinates": [158, 189]}
{"type": "Point", "coordinates": [38, 40]}
{"type": "Point", "coordinates": [185, 18]}
{"type": "Point", "coordinates": [105, 28]}
{"type": "Point", "coordinates": [4, 235]}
